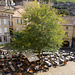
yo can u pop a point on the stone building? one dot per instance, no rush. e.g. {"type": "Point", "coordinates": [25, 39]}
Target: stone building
{"type": "Point", "coordinates": [69, 28]}
{"type": "Point", "coordinates": [17, 20]}
{"type": "Point", "coordinates": [4, 30]}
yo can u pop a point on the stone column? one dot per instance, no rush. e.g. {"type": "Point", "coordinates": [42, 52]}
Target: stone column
{"type": "Point", "coordinates": [70, 43]}
{"type": "Point", "coordinates": [8, 39]}
{"type": "Point", "coordinates": [3, 39]}
{"type": "Point", "coordinates": [6, 2]}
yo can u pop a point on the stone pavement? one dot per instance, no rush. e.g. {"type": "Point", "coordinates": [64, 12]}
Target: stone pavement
{"type": "Point", "coordinates": [68, 69]}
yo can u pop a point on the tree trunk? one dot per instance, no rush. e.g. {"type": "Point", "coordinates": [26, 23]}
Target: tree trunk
{"type": "Point", "coordinates": [39, 53]}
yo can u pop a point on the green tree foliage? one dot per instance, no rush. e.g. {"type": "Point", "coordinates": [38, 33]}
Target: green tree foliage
{"type": "Point", "coordinates": [43, 30]}
{"type": "Point", "coordinates": [54, 1]}
{"type": "Point", "coordinates": [64, 12]}
{"type": "Point", "coordinates": [66, 1]}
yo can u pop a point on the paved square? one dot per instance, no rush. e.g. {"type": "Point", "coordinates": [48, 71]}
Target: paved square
{"type": "Point", "coordinates": [68, 69]}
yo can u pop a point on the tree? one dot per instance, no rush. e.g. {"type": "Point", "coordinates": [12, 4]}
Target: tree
{"type": "Point", "coordinates": [42, 31]}
{"type": "Point", "coordinates": [63, 12]}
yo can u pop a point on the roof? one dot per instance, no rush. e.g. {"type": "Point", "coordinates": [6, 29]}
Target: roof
{"type": "Point", "coordinates": [2, 16]}
{"type": "Point", "coordinates": [70, 20]}
{"type": "Point", "coordinates": [18, 13]}
{"type": "Point", "coordinates": [2, 8]}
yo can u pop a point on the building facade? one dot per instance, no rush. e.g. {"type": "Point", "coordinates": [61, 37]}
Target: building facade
{"type": "Point", "coordinates": [69, 28]}
{"type": "Point", "coordinates": [4, 30]}
{"type": "Point", "coordinates": [15, 22]}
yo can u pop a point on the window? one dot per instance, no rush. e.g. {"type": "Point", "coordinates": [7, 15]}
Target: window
{"type": "Point", "coordinates": [9, 23]}
{"type": "Point", "coordinates": [0, 13]}
{"type": "Point", "coordinates": [17, 29]}
{"type": "Point", "coordinates": [0, 30]}
{"type": "Point", "coordinates": [11, 16]}
{"type": "Point", "coordinates": [0, 39]}
{"type": "Point", "coordinates": [5, 30]}
{"type": "Point", "coordinates": [67, 27]}
{"type": "Point", "coordinates": [21, 21]}
{"type": "Point", "coordinates": [66, 33]}
{"type": "Point", "coordinates": [6, 14]}
{"type": "Point", "coordinates": [5, 38]}
{"type": "Point", "coordinates": [16, 21]}
{"type": "Point", "coordinates": [5, 21]}
{"type": "Point", "coordinates": [0, 21]}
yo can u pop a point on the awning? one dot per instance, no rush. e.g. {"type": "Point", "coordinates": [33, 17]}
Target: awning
{"type": "Point", "coordinates": [33, 58]}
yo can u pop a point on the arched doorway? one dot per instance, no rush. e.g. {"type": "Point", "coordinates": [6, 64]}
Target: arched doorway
{"type": "Point", "coordinates": [65, 44]}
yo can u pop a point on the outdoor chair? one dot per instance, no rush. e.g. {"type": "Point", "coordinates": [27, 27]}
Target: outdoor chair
{"type": "Point", "coordinates": [61, 62]}
{"type": "Point", "coordinates": [54, 64]}
{"type": "Point", "coordinates": [57, 63]}
{"type": "Point", "coordinates": [72, 58]}
{"type": "Point", "coordinates": [46, 67]}
{"type": "Point", "coordinates": [19, 73]}
{"type": "Point", "coordinates": [67, 59]}
{"type": "Point", "coordinates": [45, 59]}
{"type": "Point", "coordinates": [48, 63]}
{"type": "Point", "coordinates": [30, 70]}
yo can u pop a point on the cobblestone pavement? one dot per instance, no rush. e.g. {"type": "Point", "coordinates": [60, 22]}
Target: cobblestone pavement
{"type": "Point", "coordinates": [68, 69]}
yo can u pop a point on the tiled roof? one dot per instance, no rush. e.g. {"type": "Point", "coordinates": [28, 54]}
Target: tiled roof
{"type": "Point", "coordinates": [2, 8]}
{"type": "Point", "coordinates": [2, 16]}
{"type": "Point", "coordinates": [70, 20]}
{"type": "Point", "coordinates": [18, 13]}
